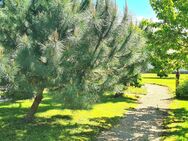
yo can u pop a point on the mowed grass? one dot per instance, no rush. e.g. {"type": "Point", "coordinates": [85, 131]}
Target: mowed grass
{"type": "Point", "coordinates": [169, 81]}
{"type": "Point", "coordinates": [53, 123]}
{"type": "Point", "coordinates": [177, 123]}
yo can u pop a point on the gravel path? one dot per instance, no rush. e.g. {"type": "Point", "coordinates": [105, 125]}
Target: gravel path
{"type": "Point", "coordinates": [145, 122]}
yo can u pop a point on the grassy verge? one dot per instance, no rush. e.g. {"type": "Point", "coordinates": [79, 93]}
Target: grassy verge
{"type": "Point", "coordinates": [177, 123]}
{"type": "Point", "coordinates": [55, 123]}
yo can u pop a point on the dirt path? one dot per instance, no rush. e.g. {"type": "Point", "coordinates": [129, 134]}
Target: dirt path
{"type": "Point", "coordinates": [145, 122]}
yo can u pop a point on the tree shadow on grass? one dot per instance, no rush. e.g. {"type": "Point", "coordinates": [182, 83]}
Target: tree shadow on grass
{"type": "Point", "coordinates": [111, 98]}
{"type": "Point", "coordinates": [51, 129]}
{"type": "Point", "coordinates": [58, 127]}
{"type": "Point", "coordinates": [41, 129]}
{"type": "Point", "coordinates": [158, 78]}
{"type": "Point", "coordinates": [176, 124]}
{"type": "Point", "coordinates": [16, 112]}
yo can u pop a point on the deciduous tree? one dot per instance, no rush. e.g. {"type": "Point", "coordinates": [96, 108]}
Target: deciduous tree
{"type": "Point", "coordinates": [168, 38]}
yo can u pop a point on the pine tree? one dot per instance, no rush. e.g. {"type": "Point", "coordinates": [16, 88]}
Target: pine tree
{"type": "Point", "coordinates": [75, 49]}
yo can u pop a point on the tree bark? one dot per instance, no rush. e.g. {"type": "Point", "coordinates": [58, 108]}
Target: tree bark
{"type": "Point", "coordinates": [38, 98]}
{"type": "Point", "coordinates": [177, 77]}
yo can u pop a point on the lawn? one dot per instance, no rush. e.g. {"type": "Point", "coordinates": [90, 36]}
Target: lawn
{"type": "Point", "coordinates": [169, 81]}
{"type": "Point", "coordinates": [55, 123]}
{"type": "Point", "coordinates": [177, 123]}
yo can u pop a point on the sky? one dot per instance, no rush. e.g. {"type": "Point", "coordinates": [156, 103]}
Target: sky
{"type": "Point", "coordinates": [138, 8]}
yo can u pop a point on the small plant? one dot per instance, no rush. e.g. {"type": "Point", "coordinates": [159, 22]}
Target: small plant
{"type": "Point", "coordinates": [182, 91]}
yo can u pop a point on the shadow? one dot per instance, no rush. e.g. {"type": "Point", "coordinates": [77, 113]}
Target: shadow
{"type": "Point", "coordinates": [158, 78]}
{"type": "Point", "coordinates": [182, 98]}
{"type": "Point", "coordinates": [111, 98]}
{"type": "Point", "coordinates": [169, 99]}
{"type": "Point", "coordinates": [41, 129]}
{"type": "Point", "coordinates": [58, 127]}
{"type": "Point", "coordinates": [63, 117]}
{"type": "Point", "coordinates": [149, 124]}
{"type": "Point", "coordinates": [139, 124]}
{"type": "Point", "coordinates": [5, 103]}
{"type": "Point", "coordinates": [178, 120]}
{"type": "Point", "coordinates": [49, 101]}
{"type": "Point", "coordinates": [63, 127]}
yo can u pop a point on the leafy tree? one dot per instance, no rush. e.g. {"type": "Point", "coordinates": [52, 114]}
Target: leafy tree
{"type": "Point", "coordinates": [75, 49]}
{"type": "Point", "coordinates": [167, 39]}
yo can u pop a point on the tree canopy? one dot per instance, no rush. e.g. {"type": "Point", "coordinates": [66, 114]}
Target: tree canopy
{"type": "Point", "coordinates": [168, 37]}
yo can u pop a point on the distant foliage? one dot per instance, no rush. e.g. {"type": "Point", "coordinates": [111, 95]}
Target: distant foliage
{"type": "Point", "coordinates": [182, 91]}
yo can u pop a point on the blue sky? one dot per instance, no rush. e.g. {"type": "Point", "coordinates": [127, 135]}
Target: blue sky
{"type": "Point", "coordinates": [138, 8]}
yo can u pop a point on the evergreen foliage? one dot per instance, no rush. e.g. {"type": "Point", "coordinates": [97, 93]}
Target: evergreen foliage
{"type": "Point", "coordinates": [75, 49]}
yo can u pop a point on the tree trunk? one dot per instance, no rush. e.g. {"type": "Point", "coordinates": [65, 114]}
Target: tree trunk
{"type": "Point", "coordinates": [177, 77]}
{"type": "Point", "coordinates": [35, 105]}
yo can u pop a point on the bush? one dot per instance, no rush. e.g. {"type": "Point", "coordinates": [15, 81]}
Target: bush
{"type": "Point", "coordinates": [162, 74]}
{"type": "Point", "coordinates": [182, 91]}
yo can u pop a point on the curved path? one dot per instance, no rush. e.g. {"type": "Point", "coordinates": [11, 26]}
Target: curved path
{"type": "Point", "coordinates": [145, 122]}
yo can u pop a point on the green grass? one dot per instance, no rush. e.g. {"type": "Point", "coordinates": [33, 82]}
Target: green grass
{"type": "Point", "coordinates": [177, 122]}
{"type": "Point", "coordinates": [169, 81]}
{"type": "Point", "coordinates": [55, 123]}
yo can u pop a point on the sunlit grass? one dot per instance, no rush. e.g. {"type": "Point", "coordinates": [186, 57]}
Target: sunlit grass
{"type": "Point", "coordinates": [55, 123]}
{"type": "Point", "coordinates": [134, 90]}
{"type": "Point", "coordinates": [169, 81]}
{"type": "Point", "coordinates": [177, 123]}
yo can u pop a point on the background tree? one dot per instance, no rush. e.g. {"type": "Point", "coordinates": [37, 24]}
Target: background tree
{"type": "Point", "coordinates": [75, 49]}
{"type": "Point", "coordinates": [167, 39]}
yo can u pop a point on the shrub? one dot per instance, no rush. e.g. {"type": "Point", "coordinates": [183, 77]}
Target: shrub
{"type": "Point", "coordinates": [182, 91]}
{"type": "Point", "coordinates": [162, 74]}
